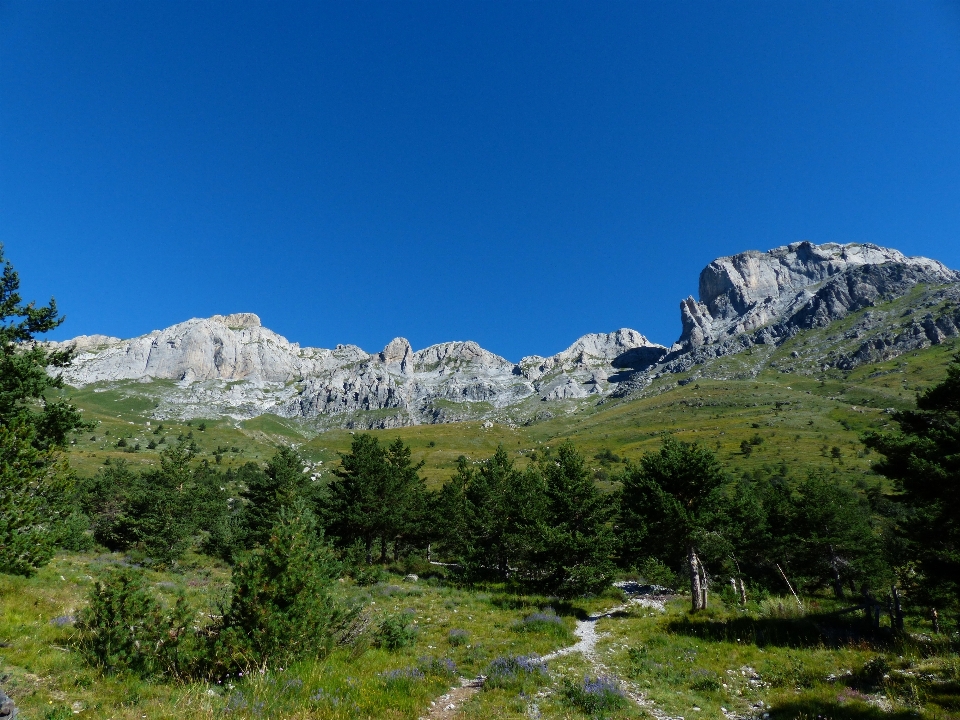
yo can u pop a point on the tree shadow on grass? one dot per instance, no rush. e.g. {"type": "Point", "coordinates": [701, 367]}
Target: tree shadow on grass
{"type": "Point", "coordinates": [819, 709]}
{"type": "Point", "coordinates": [811, 630]}
{"type": "Point", "coordinates": [563, 608]}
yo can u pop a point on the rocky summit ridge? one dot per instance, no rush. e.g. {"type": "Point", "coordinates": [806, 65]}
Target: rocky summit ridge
{"type": "Point", "coordinates": [231, 365]}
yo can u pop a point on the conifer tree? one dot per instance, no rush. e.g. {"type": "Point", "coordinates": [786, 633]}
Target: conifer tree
{"type": "Point", "coordinates": [357, 496]}
{"type": "Point", "coordinates": [267, 490]}
{"type": "Point", "coordinates": [924, 461]}
{"type": "Point", "coordinates": [452, 512]}
{"type": "Point", "coordinates": [505, 506]}
{"type": "Point", "coordinates": [405, 500]}
{"type": "Point", "coordinates": [671, 502]}
{"type": "Point", "coordinates": [33, 427]}
{"type": "Point", "coordinates": [577, 542]}
{"type": "Point", "coordinates": [281, 607]}
{"type": "Point", "coordinates": [824, 535]}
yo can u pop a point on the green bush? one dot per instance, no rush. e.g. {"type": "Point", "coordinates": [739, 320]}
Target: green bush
{"type": "Point", "coordinates": [365, 575]}
{"type": "Point", "coordinates": [519, 673]}
{"type": "Point", "coordinates": [655, 572]}
{"type": "Point", "coordinates": [546, 622]}
{"type": "Point", "coordinates": [281, 607]}
{"type": "Point", "coordinates": [595, 697]}
{"type": "Point", "coordinates": [74, 533]}
{"type": "Point", "coordinates": [126, 629]}
{"type": "Point", "coordinates": [457, 637]}
{"type": "Point", "coordinates": [396, 631]}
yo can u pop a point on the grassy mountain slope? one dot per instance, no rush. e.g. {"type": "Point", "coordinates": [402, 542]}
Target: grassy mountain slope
{"type": "Point", "coordinates": [779, 399]}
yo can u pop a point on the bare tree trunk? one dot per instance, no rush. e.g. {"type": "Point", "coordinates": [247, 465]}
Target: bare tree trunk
{"type": "Point", "coordinates": [897, 619]}
{"type": "Point", "coordinates": [935, 619]}
{"type": "Point", "coordinates": [738, 587]}
{"type": "Point", "coordinates": [795, 596]}
{"type": "Point", "coordinates": [697, 592]}
{"type": "Point", "coordinates": [704, 585]}
{"type": "Point", "coordinates": [837, 581]}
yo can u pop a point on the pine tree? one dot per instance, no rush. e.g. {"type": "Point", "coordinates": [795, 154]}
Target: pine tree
{"type": "Point", "coordinates": [505, 509]}
{"type": "Point", "coordinates": [33, 427]}
{"type": "Point", "coordinates": [452, 512]}
{"type": "Point", "coordinates": [672, 501]}
{"type": "Point", "coordinates": [405, 500]}
{"type": "Point", "coordinates": [924, 461]}
{"type": "Point", "coordinates": [357, 496]}
{"type": "Point", "coordinates": [577, 541]}
{"type": "Point", "coordinates": [281, 607]}
{"type": "Point", "coordinates": [268, 490]}
{"type": "Point", "coordinates": [824, 534]}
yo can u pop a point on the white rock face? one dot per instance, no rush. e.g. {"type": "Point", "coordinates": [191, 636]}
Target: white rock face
{"type": "Point", "coordinates": [743, 292]}
{"type": "Point", "coordinates": [232, 365]}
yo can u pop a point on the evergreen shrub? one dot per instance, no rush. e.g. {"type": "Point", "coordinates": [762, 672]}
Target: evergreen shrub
{"type": "Point", "coordinates": [125, 628]}
{"type": "Point", "coordinates": [281, 608]}
{"type": "Point", "coordinates": [396, 631]}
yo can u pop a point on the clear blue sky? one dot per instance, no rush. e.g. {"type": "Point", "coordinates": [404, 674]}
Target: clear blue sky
{"type": "Point", "coordinates": [514, 173]}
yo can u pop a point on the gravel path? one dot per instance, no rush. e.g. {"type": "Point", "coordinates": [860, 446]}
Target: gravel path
{"type": "Point", "coordinates": [447, 705]}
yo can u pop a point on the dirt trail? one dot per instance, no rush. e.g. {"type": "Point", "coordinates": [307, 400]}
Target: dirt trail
{"type": "Point", "coordinates": [449, 704]}
{"type": "Point", "coordinates": [586, 630]}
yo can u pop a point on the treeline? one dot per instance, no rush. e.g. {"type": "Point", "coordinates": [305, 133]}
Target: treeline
{"type": "Point", "coordinates": [679, 519]}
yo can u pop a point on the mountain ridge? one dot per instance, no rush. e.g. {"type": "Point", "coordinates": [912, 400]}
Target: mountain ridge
{"type": "Point", "coordinates": [232, 365]}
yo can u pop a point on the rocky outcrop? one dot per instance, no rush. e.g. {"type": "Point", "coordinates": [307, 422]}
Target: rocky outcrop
{"type": "Point", "coordinates": [232, 365]}
{"type": "Point", "coordinates": [797, 286]}
{"type": "Point", "coordinates": [8, 708]}
{"type": "Point", "coordinates": [757, 298]}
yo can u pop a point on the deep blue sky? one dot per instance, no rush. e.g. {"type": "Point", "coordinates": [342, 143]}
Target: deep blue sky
{"type": "Point", "coordinates": [513, 173]}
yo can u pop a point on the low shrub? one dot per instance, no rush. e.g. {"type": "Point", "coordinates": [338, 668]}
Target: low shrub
{"type": "Point", "coordinates": [516, 672]}
{"type": "Point", "coordinates": [402, 678]}
{"type": "Point", "coordinates": [872, 674]}
{"type": "Point", "coordinates": [546, 621]}
{"type": "Point", "coordinates": [396, 631]}
{"type": "Point", "coordinates": [438, 667]}
{"type": "Point", "coordinates": [655, 572]}
{"type": "Point", "coordinates": [458, 637]}
{"type": "Point", "coordinates": [595, 697]}
{"type": "Point", "coordinates": [366, 575]}
{"type": "Point", "coordinates": [704, 680]}
{"type": "Point", "coordinates": [126, 629]}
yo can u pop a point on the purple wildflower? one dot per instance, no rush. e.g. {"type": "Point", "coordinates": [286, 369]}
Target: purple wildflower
{"type": "Point", "coordinates": [512, 670]}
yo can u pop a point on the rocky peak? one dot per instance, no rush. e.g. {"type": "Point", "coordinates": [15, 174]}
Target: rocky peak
{"type": "Point", "coordinates": [457, 353]}
{"type": "Point", "coordinates": [618, 349]}
{"type": "Point", "coordinates": [743, 292]}
{"type": "Point", "coordinates": [397, 354]}
{"type": "Point", "coordinates": [238, 321]}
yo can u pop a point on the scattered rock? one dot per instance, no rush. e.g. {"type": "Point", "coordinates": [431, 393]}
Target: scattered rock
{"type": "Point", "coordinates": [8, 709]}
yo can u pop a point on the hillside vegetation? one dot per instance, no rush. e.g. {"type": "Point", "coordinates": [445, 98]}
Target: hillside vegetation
{"type": "Point", "coordinates": [762, 393]}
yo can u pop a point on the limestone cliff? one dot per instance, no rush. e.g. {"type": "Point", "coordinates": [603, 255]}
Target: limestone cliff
{"type": "Point", "coordinates": [232, 365]}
